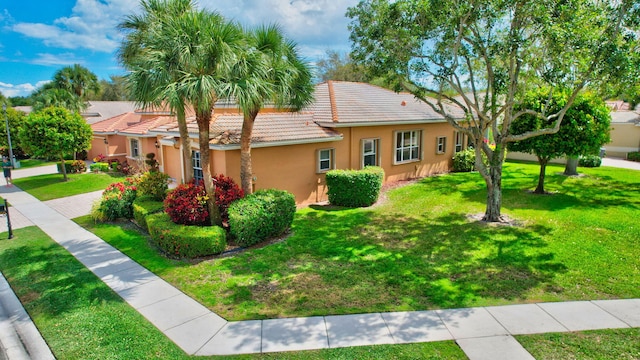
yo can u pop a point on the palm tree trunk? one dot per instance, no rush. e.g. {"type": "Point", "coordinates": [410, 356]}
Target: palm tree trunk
{"type": "Point", "coordinates": [543, 167]}
{"type": "Point", "coordinates": [204, 120]}
{"type": "Point", "coordinates": [246, 172]}
{"type": "Point", "coordinates": [186, 145]}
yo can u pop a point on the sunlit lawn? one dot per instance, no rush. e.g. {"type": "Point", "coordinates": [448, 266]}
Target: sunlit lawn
{"type": "Point", "coordinates": [81, 318]}
{"type": "Point", "coordinates": [29, 163]}
{"type": "Point", "coordinates": [53, 186]}
{"type": "Point", "coordinates": [419, 250]}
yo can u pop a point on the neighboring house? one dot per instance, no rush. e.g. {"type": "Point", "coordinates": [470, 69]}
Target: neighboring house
{"type": "Point", "coordinates": [625, 133]}
{"type": "Point", "coordinates": [349, 126]}
{"type": "Point", "coordinates": [97, 110]}
{"type": "Point", "coordinates": [125, 137]}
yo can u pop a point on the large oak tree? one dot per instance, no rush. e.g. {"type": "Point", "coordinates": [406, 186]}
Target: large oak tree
{"type": "Point", "coordinates": [488, 53]}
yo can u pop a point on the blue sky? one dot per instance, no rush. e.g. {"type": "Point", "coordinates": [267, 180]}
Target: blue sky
{"type": "Point", "coordinates": [38, 37]}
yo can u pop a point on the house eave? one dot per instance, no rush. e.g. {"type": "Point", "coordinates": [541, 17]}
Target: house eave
{"type": "Point", "coordinates": [379, 123]}
{"type": "Point", "coordinates": [227, 147]}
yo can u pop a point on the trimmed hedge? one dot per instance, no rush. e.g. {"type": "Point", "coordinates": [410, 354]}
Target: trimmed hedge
{"type": "Point", "coordinates": [99, 166]}
{"type": "Point", "coordinates": [634, 156]}
{"type": "Point", "coordinates": [355, 188]}
{"type": "Point", "coordinates": [185, 241]}
{"type": "Point", "coordinates": [144, 206]}
{"type": "Point", "coordinates": [73, 166]}
{"type": "Point", "coordinates": [262, 215]}
{"type": "Point", "coordinates": [590, 161]}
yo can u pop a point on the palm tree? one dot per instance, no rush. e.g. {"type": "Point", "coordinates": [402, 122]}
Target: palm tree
{"type": "Point", "coordinates": [149, 54]}
{"type": "Point", "coordinates": [271, 71]}
{"type": "Point", "coordinates": [208, 46]}
{"type": "Point", "coordinates": [76, 79]}
{"type": "Point", "coordinates": [49, 96]}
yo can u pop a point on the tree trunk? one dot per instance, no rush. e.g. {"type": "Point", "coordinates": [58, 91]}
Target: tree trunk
{"type": "Point", "coordinates": [246, 172]}
{"type": "Point", "coordinates": [203, 130]}
{"type": "Point", "coordinates": [494, 195]}
{"type": "Point", "coordinates": [572, 166]}
{"type": "Point", "coordinates": [186, 145]}
{"type": "Point", "coordinates": [63, 168]}
{"type": "Point", "coordinates": [543, 167]}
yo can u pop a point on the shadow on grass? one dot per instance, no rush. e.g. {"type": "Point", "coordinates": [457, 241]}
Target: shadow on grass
{"type": "Point", "coordinates": [585, 192]}
{"type": "Point", "coordinates": [347, 261]}
{"type": "Point", "coordinates": [50, 281]}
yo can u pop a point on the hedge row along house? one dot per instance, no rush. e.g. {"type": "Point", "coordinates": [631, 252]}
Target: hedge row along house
{"type": "Point", "coordinates": [349, 126]}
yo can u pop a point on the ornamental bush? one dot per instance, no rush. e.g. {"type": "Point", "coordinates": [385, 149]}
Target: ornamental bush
{"type": "Point", "coordinates": [590, 161]}
{"type": "Point", "coordinates": [262, 215]}
{"type": "Point", "coordinates": [144, 206]}
{"type": "Point", "coordinates": [73, 166]}
{"type": "Point", "coordinates": [184, 241]}
{"type": "Point", "coordinates": [634, 156]}
{"type": "Point", "coordinates": [355, 188]}
{"type": "Point", "coordinates": [117, 200]}
{"type": "Point", "coordinates": [227, 191]}
{"type": "Point", "coordinates": [154, 184]}
{"type": "Point", "coordinates": [99, 166]}
{"type": "Point", "coordinates": [464, 161]}
{"type": "Point", "coordinates": [187, 205]}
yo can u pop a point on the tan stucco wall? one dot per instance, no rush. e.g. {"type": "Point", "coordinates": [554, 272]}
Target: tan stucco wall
{"type": "Point", "coordinates": [294, 167]}
{"type": "Point", "coordinates": [625, 138]}
{"type": "Point", "coordinates": [115, 149]}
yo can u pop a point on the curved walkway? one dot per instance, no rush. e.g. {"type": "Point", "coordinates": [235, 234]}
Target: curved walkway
{"type": "Point", "coordinates": [482, 333]}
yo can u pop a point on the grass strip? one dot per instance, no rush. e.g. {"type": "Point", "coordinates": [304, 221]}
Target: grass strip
{"type": "Point", "coordinates": [52, 186]}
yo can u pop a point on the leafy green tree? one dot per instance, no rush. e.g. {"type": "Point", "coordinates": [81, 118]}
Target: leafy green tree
{"type": "Point", "coordinates": [148, 52]}
{"type": "Point", "coordinates": [337, 66]}
{"type": "Point", "coordinates": [114, 89]}
{"type": "Point", "coordinates": [583, 131]}
{"type": "Point", "coordinates": [270, 72]}
{"type": "Point", "coordinates": [16, 121]}
{"type": "Point", "coordinates": [55, 131]}
{"type": "Point", "coordinates": [21, 101]}
{"type": "Point", "coordinates": [489, 53]}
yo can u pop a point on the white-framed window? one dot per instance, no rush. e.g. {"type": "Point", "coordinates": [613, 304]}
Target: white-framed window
{"type": "Point", "coordinates": [441, 144]}
{"type": "Point", "coordinates": [408, 145]}
{"type": "Point", "coordinates": [370, 152]}
{"type": "Point", "coordinates": [197, 166]}
{"type": "Point", "coordinates": [135, 148]}
{"type": "Point", "coordinates": [459, 141]}
{"type": "Point", "coordinates": [326, 160]}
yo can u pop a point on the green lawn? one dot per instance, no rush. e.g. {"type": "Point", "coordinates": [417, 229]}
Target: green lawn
{"type": "Point", "coordinates": [81, 318]}
{"type": "Point", "coordinates": [419, 250]}
{"type": "Point", "coordinates": [29, 163]}
{"type": "Point", "coordinates": [52, 186]}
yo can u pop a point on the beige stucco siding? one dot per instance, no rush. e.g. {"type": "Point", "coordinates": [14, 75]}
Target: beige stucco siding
{"type": "Point", "coordinates": [625, 138]}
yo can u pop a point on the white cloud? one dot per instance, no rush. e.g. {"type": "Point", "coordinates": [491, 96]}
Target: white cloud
{"type": "Point", "coordinates": [10, 90]}
{"type": "Point", "coordinates": [316, 25]}
{"type": "Point", "coordinates": [92, 25]}
{"type": "Point", "coordinates": [56, 60]}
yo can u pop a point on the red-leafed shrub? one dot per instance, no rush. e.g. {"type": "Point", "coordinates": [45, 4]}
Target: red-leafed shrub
{"type": "Point", "coordinates": [187, 205]}
{"type": "Point", "coordinates": [227, 191]}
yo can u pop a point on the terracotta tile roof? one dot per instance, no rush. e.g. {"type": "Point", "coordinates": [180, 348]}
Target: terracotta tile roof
{"type": "Point", "coordinates": [269, 129]}
{"type": "Point", "coordinates": [340, 103]}
{"type": "Point", "coordinates": [134, 123]}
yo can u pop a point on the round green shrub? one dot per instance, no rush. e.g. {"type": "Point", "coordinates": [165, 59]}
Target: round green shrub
{"type": "Point", "coordinates": [464, 161]}
{"type": "Point", "coordinates": [154, 184]}
{"type": "Point", "coordinates": [184, 241]}
{"type": "Point", "coordinates": [634, 156]}
{"type": "Point", "coordinates": [117, 200]}
{"type": "Point", "coordinates": [355, 188]}
{"type": "Point", "coordinates": [590, 161]}
{"type": "Point", "coordinates": [262, 215]}
{"type": "Point", "coordinates": [143, 206]}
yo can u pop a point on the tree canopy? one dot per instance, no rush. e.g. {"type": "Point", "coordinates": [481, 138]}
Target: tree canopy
{"type": "Point", "coordinates": [583, 131]}
{"type": "Point", "coordinates": [55, 132]}
{"type": "Point", "coordinates": [479, 57]}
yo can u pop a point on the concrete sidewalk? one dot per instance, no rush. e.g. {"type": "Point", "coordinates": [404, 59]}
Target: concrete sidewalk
{"type": "Point", "coordinates": [482, 333]}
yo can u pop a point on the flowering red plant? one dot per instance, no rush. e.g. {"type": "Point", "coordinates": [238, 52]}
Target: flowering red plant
{"type": "Point", "coordinates": [227, 191]}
